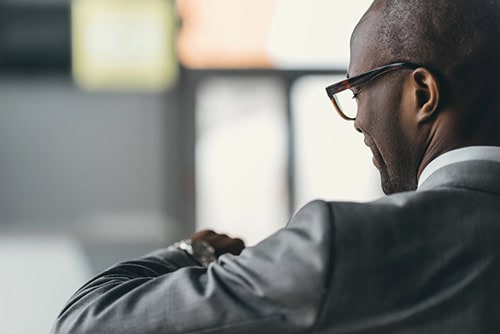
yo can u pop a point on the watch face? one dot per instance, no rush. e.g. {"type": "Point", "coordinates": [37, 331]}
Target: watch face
{"type": "Point", "coordinates": [201, 251]}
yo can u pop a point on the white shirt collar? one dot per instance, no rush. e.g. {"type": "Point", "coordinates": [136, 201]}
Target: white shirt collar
{"type": "Point", "coordinates": [460, 155]}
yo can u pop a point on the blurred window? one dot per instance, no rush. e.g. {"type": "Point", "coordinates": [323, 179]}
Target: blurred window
{"type": "Point", "coordinates": [241, 156]}
{"type": "Point", "coordinates": [332, 162]}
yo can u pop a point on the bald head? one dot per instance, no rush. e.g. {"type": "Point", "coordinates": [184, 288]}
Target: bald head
{"type": "Point", "coordinates": [459, 39]}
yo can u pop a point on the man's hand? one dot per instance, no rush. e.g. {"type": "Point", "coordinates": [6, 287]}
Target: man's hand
{"type": "Point", "coordinates": [220, 242]}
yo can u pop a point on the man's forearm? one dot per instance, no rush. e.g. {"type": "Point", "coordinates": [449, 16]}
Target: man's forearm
{"type": "Point", "coordinates": [168, 292]}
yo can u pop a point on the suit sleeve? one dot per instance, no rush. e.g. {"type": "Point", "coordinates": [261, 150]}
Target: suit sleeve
{"type": "Point", "coordinates": [275, 287]}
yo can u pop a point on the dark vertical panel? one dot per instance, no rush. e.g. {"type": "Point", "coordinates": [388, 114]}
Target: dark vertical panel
{"type": "Point", "coordinates": [290, 146]}
{"type": "Point", "coordinates": [186, 91]}
{"type": "Point", "coordinates": [34, 37]}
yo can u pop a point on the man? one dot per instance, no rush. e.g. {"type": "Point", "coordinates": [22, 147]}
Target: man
{"type": "Point", "coordinates": [425, 76]}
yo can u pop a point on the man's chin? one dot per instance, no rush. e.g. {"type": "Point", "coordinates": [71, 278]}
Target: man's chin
{"type": "Point", "coordinates": [392, 186]}
{"type": "Point", "coordinates": [388, 188]}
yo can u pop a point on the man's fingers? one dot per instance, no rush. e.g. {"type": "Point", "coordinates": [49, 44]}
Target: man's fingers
{"type": "Point", "coordinates": [222, 243]}
{"type": "Point", "coordinates": [229, 245]}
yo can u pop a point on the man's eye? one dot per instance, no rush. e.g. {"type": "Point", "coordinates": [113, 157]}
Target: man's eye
{"type": "Point", "coordinates": [355, 96]}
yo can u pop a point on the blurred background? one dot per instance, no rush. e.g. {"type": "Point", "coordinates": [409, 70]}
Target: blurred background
{"type": "Point", "coordinates": [126, 125]}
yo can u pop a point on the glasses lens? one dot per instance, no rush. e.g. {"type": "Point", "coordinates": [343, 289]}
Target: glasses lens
{"type": "Point", "coordinates": [347, 103]}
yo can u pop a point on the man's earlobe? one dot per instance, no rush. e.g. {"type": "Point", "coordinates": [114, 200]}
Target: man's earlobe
{"type": "Point", "coordinates": [427, 93]}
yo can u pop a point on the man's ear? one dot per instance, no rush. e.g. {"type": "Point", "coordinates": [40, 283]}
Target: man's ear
{"type": "Point", "coordinates": [427, 93]}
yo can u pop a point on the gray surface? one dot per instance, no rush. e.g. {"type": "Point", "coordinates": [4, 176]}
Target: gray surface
{"type": "Point", "coordinates": [74, 161]}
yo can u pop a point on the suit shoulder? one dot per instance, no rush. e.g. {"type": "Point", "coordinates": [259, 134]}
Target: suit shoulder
{"type": "Point", "coordinates": [313, 215]}
{"type": "Point", "coordinates": [389, 206]}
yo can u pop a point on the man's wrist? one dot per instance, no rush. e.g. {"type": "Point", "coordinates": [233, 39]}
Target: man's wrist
{"type": "Point", "coordinates": [199, 250]}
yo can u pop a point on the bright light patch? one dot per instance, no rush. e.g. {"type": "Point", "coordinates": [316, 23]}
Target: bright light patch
{"type": "Point", "coordinates": [284, 34]}
{"type": "Point", "coordinates": [123, 44]}
{"type": "Point", "coordinates": [332, 162]}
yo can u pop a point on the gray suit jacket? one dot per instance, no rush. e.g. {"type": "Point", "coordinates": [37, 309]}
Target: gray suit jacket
{"type": "Point", "coordinates": [416, 262]}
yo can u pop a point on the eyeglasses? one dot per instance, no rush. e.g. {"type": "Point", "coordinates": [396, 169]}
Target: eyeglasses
{"type": "Point", "coordinates": [345, 101]}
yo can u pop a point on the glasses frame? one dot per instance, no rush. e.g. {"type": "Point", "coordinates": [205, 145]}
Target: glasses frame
{"type": "Point", "coordinates": [362, 79]}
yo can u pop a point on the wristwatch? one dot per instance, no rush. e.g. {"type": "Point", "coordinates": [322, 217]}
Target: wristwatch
{"type": "Point", "coordinates": [200, 251]}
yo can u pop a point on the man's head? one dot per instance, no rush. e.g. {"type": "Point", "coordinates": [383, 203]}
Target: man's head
{"type": "Point", "coordinates": [410, 116]}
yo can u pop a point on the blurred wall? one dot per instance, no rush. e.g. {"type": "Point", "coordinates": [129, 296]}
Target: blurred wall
{"type": "Point", "coordinates": [103, 167]}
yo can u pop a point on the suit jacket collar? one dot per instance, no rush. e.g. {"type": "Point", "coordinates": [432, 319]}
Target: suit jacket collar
{"type": "Point", "coordinates": [491, 153]}
{"type": "Point", "coordinates": [481, 175]}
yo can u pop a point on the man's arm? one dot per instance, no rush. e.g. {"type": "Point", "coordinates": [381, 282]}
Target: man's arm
{"type": "Point", "coordinates": [276, 286]}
